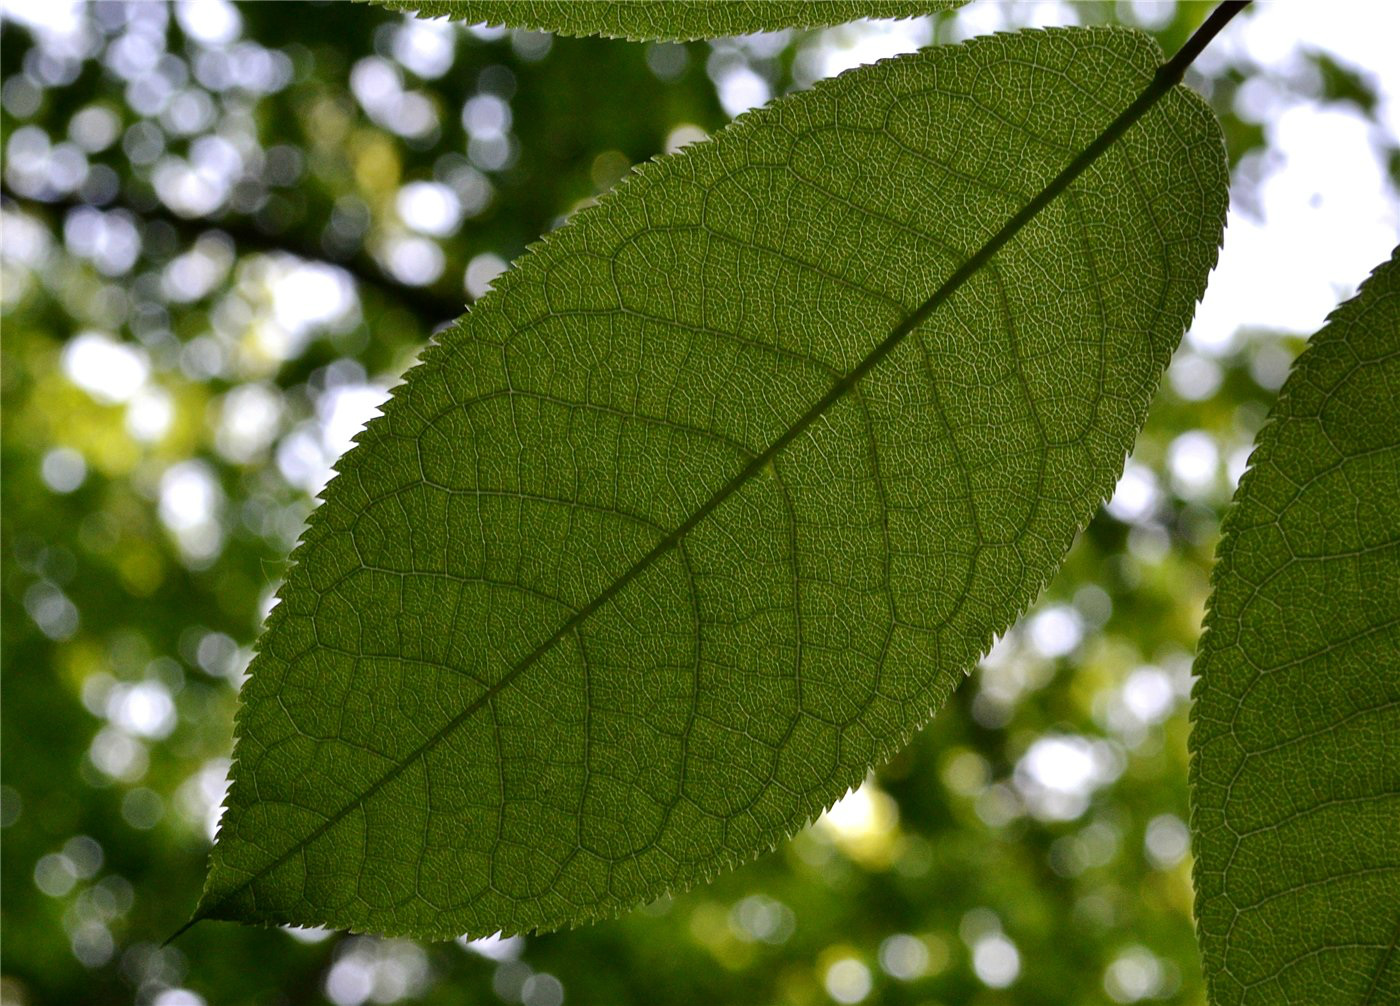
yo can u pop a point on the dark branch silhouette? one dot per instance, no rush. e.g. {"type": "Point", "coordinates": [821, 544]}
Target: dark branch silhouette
{"type": "Point", "coordinates": [432, 308]}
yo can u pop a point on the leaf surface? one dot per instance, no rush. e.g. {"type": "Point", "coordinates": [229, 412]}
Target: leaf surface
{"type": "Point", "coordinates": [666, 20]}
{"type": "Point", "coordinates": [656, 552]}
{"type": "Point", "coordinates": [1296, 739]}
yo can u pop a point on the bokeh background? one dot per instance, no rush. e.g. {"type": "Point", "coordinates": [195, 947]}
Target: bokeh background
{"type": "Point", "coordinates": [227, 229]}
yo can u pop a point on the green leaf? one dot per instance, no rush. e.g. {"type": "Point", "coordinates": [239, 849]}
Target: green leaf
{"type": "Point", "coordinates": [666, 20]}
{"type": "Point", "coordinates": [1296, 739]}
{"type": "Point", "coordinates": [670, 539]}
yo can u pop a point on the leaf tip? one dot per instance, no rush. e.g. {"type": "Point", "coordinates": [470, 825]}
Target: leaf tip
{"type": "Point", "coordinates": [197, 917]}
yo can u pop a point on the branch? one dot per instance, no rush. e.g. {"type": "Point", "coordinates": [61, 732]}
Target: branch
{"type": "Point", "coordinates": [431, 308]}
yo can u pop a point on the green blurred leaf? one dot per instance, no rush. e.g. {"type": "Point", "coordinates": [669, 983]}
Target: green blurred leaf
{"type": "Point", "coordinates": [666, 20]}
{"type": "Point", "coordinates": [1296, 771]}
{"type": "Point", "coordinates": [558, 642]}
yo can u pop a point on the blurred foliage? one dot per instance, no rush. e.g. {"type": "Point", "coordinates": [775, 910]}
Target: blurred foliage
{"type": "Point", "coordinates": [226, 231]}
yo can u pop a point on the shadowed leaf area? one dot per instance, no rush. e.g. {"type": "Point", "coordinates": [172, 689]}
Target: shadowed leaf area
{"type": "Point", "coordinates": [1296, 736]}
{"type": "Point", "coordinates": [666, 20]}
{"type": "Point", "coordinates": [553, 646]}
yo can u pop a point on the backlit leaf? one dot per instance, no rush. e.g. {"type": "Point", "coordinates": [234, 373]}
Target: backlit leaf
{"type": "Point", "coordinates": [666, 20]}
{"type": "Point", "coordinates": [561, 639]}
{"type": "Point", "coordinates": [1296, 737]}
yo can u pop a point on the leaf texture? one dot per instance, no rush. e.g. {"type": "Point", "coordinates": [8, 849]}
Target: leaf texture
{"type": "Point", "coordinates": [1296, 738]}
{"type": "Point", "coordinates": [666, 20]}
{"type": "Point", "coordinates": [554, 644]}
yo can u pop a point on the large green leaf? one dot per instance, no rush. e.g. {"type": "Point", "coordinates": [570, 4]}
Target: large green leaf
{"type": "Point", "coordinates": [672, 537]}
{"type": "Point", "coordinates": [666, 20]}
{"type": "Point", "coordinates": [1296, 737]}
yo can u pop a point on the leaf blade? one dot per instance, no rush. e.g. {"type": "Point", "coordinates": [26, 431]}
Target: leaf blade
{"type": "Point", "coordinates": [666, 20]}
{"type": "Point", "coordinates": [628, 360]}
{"type": "Point", "coordinates": [1298, 861]}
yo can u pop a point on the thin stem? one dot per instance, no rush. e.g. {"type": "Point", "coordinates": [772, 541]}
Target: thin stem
{"type": "Point", "coordinates": [1175, 68]}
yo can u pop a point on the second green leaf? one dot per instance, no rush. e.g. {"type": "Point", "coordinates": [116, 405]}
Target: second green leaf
{"type": "Point", "coordinates": [666, 20]}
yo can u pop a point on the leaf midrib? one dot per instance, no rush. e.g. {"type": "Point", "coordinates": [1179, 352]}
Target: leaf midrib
{"type": "Point", "coordinates": [1370, 997]}
{"type": "Point", "coordinates": [1168, 75]}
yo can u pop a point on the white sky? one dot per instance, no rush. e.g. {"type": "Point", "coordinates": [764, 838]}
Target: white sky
{"type": "Point", "coordinates": [1329, 212]}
